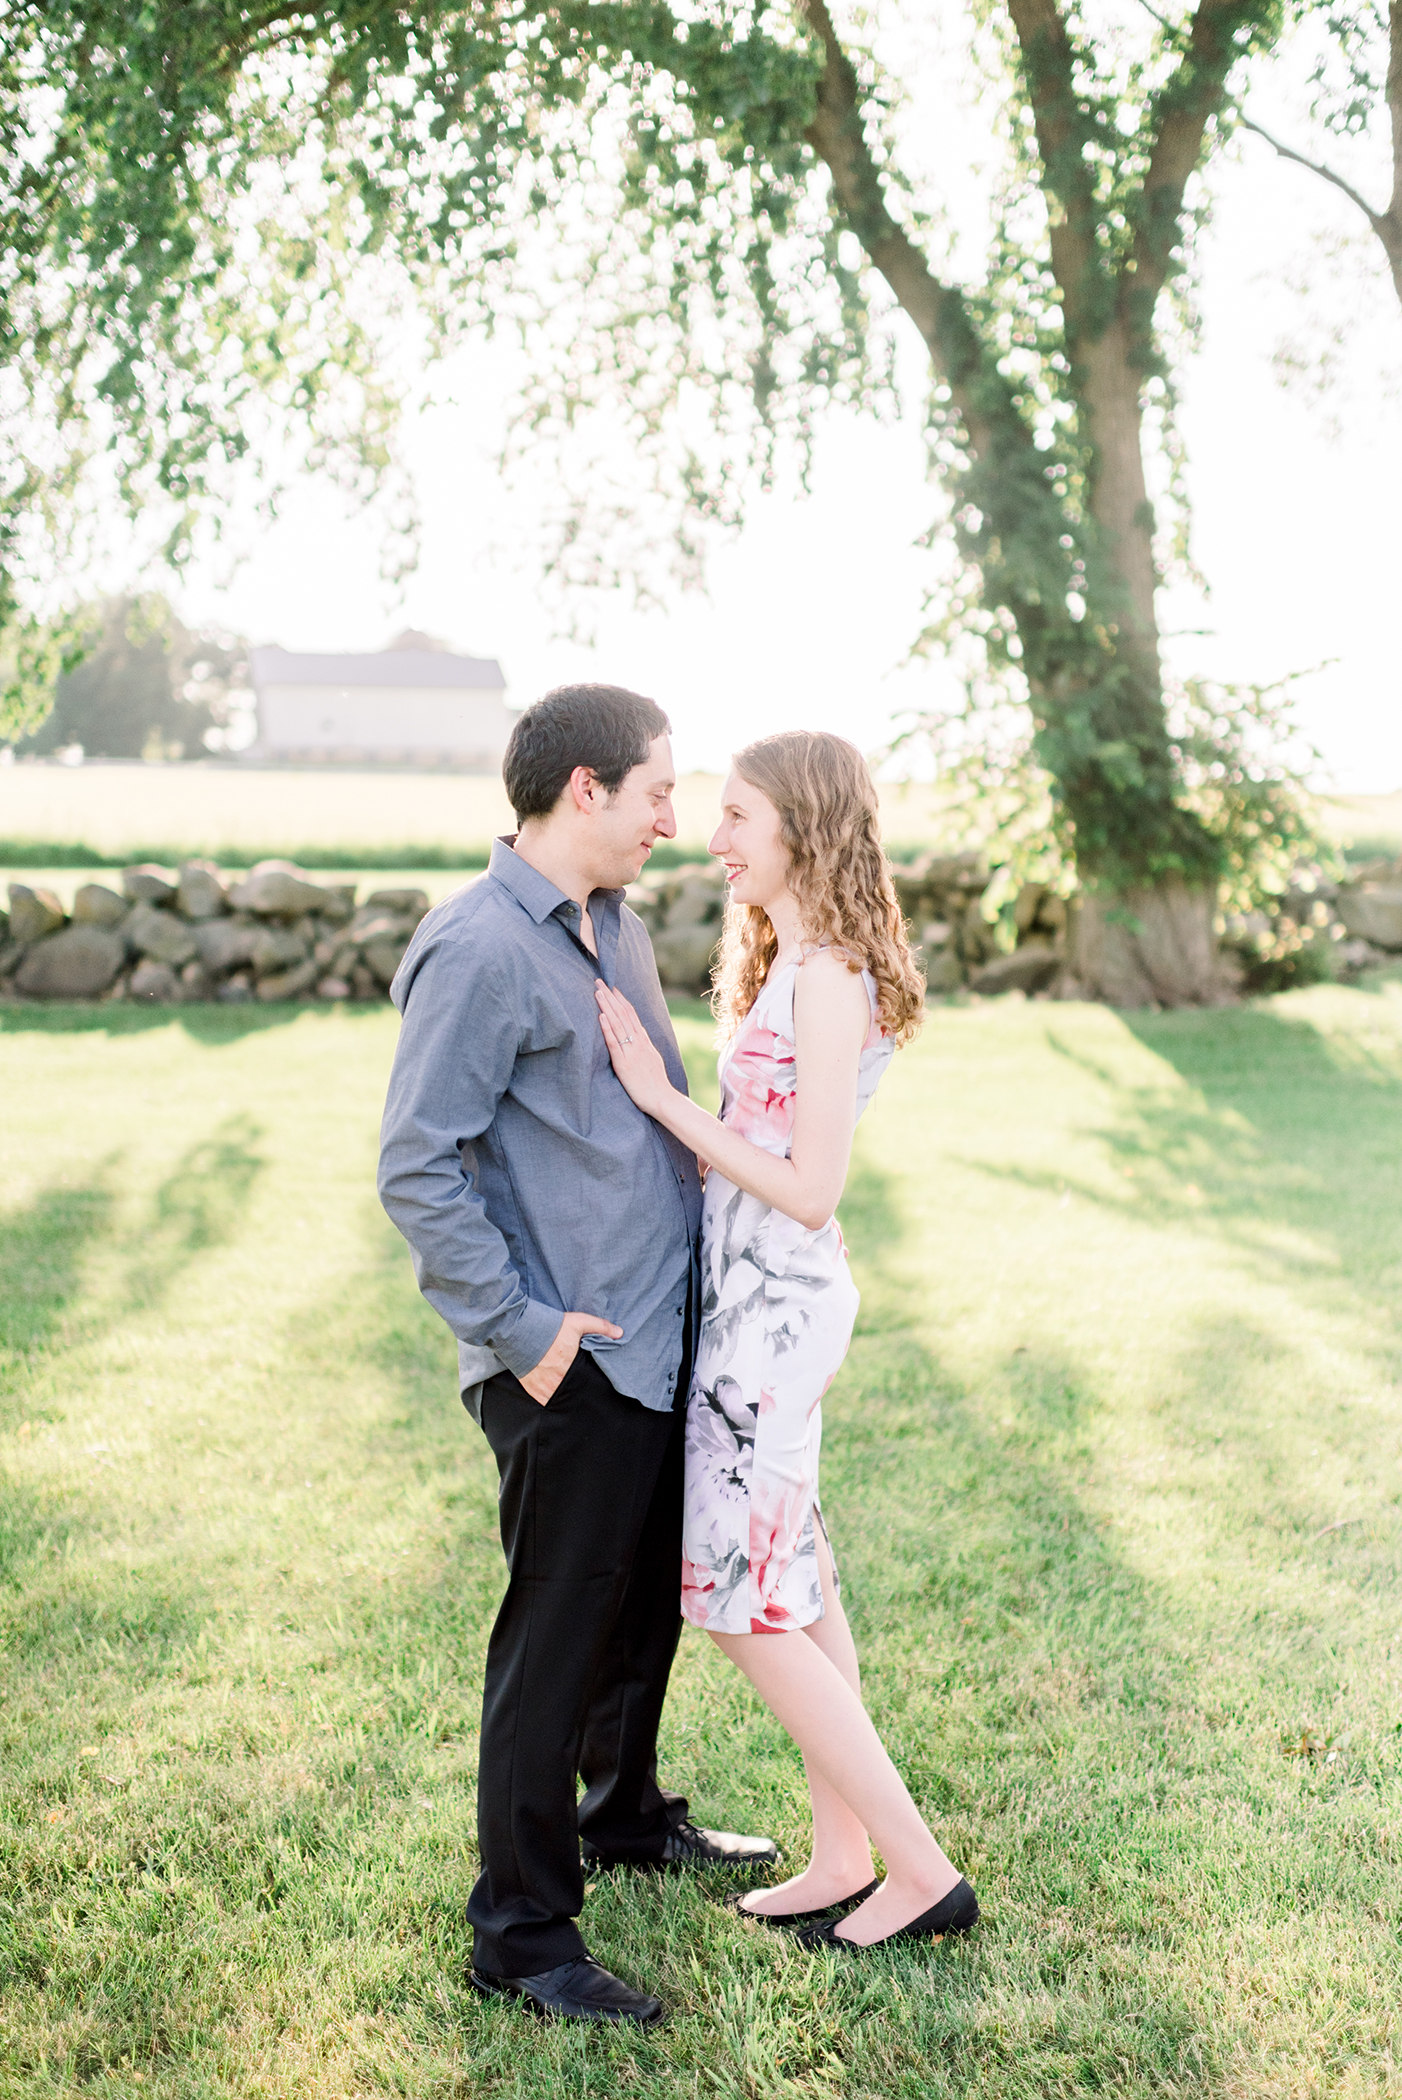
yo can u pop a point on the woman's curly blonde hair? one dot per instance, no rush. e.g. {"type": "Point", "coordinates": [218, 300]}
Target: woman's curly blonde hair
{"type": "Point", "coordinates": [827, 806]}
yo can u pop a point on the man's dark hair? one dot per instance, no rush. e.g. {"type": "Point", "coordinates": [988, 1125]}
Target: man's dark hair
{"type": "Point", "coordinates": [604, 727]}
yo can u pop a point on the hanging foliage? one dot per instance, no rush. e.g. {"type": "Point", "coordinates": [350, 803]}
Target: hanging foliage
{"type": "Point", "coordinates": [212, 209]}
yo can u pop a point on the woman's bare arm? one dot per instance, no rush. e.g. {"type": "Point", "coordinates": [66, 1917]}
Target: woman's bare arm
{"type": "Point", "coordinates": [832, 1016]}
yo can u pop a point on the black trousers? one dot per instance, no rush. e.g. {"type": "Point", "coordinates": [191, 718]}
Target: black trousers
{"type": "Point", "coordinates": [577, 1664]}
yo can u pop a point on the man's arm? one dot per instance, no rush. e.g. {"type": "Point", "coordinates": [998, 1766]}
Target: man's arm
{"type": "Point", "coordinates": [457, 1047]}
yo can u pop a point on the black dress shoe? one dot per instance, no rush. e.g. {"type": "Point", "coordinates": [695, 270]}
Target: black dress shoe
{"type": "Point", "coordinates": [686, 1846]}
{"type": "Point", "coordinates": [956, 1912]}
{"type": "Point", "coordinates": [790, 1918]}
{"type": "Point", "coordinates": [581, 1989]}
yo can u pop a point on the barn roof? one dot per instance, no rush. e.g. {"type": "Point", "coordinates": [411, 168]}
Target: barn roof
{"type": "Point", "coordinates": [397, 667]}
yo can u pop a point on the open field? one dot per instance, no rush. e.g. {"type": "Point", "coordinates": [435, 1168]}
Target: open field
{"type": "Point", "coordinates": [242, 813]}
{"type": "Point", "coordinates": [123, 812]}
{"type": "Point", "coordinates": [1366, 823]}
{"type": "Point", "coordinates": [1114, 1472]}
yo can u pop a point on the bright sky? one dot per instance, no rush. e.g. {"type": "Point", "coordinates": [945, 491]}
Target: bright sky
{"type": "Point", "coordinates": [809, 612]}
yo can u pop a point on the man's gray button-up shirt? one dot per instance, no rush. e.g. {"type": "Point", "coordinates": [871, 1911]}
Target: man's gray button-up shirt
{"type": "Point", "coordinates": [524, 1179]}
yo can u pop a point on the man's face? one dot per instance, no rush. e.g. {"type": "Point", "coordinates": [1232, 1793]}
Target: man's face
{"type": "Point", "coordinates": [635, 816]}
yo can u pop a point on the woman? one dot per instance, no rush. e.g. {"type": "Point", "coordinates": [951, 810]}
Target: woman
{"type": "Point", "coordinates": [817, 986]}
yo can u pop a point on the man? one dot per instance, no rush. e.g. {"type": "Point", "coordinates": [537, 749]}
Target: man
{"type": "Point", "coordinates": [553, 1225]}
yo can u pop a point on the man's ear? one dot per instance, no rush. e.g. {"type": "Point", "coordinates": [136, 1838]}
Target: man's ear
{"type": "Point", "coordinates": [587, 789]}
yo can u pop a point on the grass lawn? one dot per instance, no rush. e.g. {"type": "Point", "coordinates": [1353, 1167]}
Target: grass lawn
{"type": "Point", "coordinates": [1114, 1472]}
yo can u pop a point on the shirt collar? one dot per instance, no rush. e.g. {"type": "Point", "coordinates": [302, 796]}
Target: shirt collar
{"type": "Point", "coordinates": [532, 890]}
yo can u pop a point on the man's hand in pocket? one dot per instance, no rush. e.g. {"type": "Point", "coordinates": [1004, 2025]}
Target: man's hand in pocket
{"type": "Point", "coordinates": [542, 1382]}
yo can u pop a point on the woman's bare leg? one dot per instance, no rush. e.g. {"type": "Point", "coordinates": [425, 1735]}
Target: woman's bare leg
{"type": "Point", "coordinates": [840, 1862]}
{"type": "Point", "coordinates": [809, 1693]}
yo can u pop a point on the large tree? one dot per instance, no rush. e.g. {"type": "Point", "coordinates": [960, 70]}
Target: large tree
{"type": "Point", "coordinates": [199, 196]}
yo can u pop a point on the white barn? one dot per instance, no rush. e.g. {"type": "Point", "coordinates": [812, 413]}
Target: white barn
{"type": "Point", "coordinates": [412, 704]}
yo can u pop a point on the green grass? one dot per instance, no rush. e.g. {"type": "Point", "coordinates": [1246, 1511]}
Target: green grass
{"type": "Point", "coordinates": [1113, 1471]}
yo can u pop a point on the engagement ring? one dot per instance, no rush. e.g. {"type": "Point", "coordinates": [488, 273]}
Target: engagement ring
{"type": "Point", "coordinates": [627, 1038]}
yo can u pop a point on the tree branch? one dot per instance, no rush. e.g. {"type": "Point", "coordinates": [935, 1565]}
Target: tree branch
{"type": "Point", "coordinates": [938, 310]}
{"type": "Point", "coordinates": [1316, 167]}
{"type": "Point", "coordinates": [1048, 60]}
{"type": "Point", "coordinates": [1195, 93]}
{"type": "Point", "coordinates": [1389, 230]}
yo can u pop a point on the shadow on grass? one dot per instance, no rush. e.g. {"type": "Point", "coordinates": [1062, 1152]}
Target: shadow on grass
{"type": "Point", "coordinates": [197, 1206]}
{"type": "Point", "coordinates": [43, 1314]}
{"type": "Point", "coordinates": [1087, 1755]}
{"type": "Point", "coordinates": [42, 1248]}
{"type": "Point", "coordinates": [1287, 1147]}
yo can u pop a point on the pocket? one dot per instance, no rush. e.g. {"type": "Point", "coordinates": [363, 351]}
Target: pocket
{"type": "Point", "coordinates": [567, 1383]}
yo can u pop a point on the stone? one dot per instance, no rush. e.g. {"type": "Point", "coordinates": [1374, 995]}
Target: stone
{"type": "Point", "coordinates": [160, 935]}
{"type": "Point", "coordinates": [277, 948]}
{"type": "Point", "coordinates": [12, 953]}
{"type": "Point", "coordinates": [699, 901]}
{"type": "Point", "coordinates": [1371, 914]}
{"type": "Point", "coordinates": [147, 884]}
{"type": "Point", "coordinates": [363, 983]}
{"type": "Point", "coordinates": [1029, 902]}
{"type": "Point", "coordinates": [154, 981]}
{"type": "Point", "coordinates": [78, 963]}
{"type": "Point", "coordinates": [642, 899]}
{"type": "Point", "coordinates": [412, 902]}
{"type": "Point", "coordinates": [33, 913]}
{"type": "Point", "coordinates": [977, 939]}
{"type": "Point", "coordinates": [95, 905]}
{"type": "Point", "coordinates": [943, 971]}
{"type": "Point", "coordinates": [377, 923]}
{"type": "Point", "coordinates": [339, 905]}
{"type": "Point", "coordinates": [684, 955]}
{"type": "Point", "coordinates": [383, 959]}
{"type": "Point", "coordinates": [196, 982]}
{"type": "Point", "coordinates": [288, 984]}
{"type": "Point", "coordinates": [1359, 955]}
{"type": "Point", "coordinates": [234, 991]}
{"type": "Point", "coordinates": [225, 944]}
{"type": "Point", "coordinates": [199, 891]}
{"type": "Point", "coordinates": [333, 988]}
{"type": "Point", "coordinates": [1377, 871]}
{"type": "Point", "coordinates": [275, 889]}
{"type": "Point", "coordinates": [1026, 970]}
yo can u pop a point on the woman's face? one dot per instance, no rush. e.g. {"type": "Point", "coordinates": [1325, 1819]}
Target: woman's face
{"type": "Point", "coordinates": [748, 841]}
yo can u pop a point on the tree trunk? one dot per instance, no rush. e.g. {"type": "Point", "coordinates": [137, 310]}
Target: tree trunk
{"type": "Point", "coordinates": [1096, 686]}
{"type": "Point", "coordinates": [1119, 497]}
{"type": "Point", "coordinates": [1150, 947]}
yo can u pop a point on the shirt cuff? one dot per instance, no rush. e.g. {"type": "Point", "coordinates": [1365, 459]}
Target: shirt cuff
{"type": "Point", "coordinates": [532, 1335]}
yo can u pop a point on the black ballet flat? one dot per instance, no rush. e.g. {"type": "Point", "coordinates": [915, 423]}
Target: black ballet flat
{"type": "Point", "coordinates": [791, 1918]}
{"type": "Point", "coordinates": [956, 1912]}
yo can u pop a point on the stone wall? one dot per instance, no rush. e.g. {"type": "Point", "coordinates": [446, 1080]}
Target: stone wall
{"type": "Point", "coordinates": [1316, 928]}
{"type": "Point", "coordinates": [275, 934]}
{"type": "Point", "coordinates": [271, 934]}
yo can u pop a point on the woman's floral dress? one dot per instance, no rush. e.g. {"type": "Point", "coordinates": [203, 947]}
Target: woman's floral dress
{"type": "Point", "coordinates": [777, 1307]}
